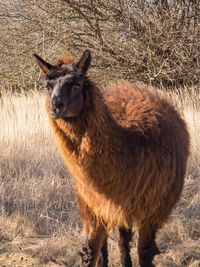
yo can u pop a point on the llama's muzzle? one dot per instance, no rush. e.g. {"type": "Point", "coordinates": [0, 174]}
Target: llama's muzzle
{"type": "Point", "coordinates": [56, 107]}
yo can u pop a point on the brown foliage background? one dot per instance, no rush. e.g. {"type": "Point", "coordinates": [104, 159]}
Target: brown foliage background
{"type": "Point", "coordinates": [156, 42]}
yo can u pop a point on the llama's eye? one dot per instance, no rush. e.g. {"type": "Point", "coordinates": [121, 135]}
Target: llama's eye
{"type": "Point", "coordinates": [48, 85]}
{"type": "Point", "coordinates": [75, 89]}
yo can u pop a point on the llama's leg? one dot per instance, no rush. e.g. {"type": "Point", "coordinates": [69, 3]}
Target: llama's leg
{"type": "Point", "coordinates": [147, 247]}
{"type": "Point", "coordinates": [103, 261]}
{"type": "Point", "coordinates": [124, 248]}
{"type": "Point", "coordinates": [91, 249]}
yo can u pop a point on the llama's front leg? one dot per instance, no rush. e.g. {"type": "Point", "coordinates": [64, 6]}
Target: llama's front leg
{"type": "Point", "coordinates": [91, 249]}
{"type": "Point", "coordinates": [124, 248]}
{"type": "Point", "coordinates": [147, 247]}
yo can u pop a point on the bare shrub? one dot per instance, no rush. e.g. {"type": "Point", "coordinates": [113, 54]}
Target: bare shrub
{"type": "Point", "coordinates": [156, 42]}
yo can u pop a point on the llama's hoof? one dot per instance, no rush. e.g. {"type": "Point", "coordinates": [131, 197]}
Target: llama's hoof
{"type": "Point", "coordinates": [147, 255]}
{"type": "Point", "coordinates": [86, 255]}
{"type": "Point", "coordinates": [147, 264]}
{"type": "Point", "coordinates": [157, 251]}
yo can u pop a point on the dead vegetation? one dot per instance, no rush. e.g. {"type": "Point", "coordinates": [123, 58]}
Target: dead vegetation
{"type": "Point", "coordinates": [39, 219]}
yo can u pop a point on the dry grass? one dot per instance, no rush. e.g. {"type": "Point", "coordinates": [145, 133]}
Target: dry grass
{"type": "Point", "coordinates": [39, 219]}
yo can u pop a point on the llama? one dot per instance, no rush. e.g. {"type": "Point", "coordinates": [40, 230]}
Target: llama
{"type": "Point", "coordinates": [126, 148]}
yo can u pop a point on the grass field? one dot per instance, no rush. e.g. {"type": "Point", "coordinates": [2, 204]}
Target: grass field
{"type": "Point", "coordinates": [39, 221]}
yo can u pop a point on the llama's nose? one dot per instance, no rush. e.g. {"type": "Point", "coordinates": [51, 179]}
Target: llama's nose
{"type": "Point", "coordinates": [57, 103]}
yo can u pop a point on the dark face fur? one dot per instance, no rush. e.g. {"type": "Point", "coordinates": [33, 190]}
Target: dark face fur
{"type": "Point", "coordinates": [65, 86]}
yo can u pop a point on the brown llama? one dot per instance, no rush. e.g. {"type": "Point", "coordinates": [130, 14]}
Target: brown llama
{"type": "Point", "coordinates": [126, 149]}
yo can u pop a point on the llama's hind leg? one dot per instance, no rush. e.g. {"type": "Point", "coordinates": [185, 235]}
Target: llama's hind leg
{"type": "Point", "coordinates": [103, 260]}
{"type": "Point", "coordinates": [147, 247]}
{"type": "Point", "coordinates": [125, 237]}
{"type": "Point", "coordinates": [91, 249]}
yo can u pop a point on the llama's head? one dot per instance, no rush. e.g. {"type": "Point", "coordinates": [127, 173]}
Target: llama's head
{"type": "Point", "coordinates": [64, 82]}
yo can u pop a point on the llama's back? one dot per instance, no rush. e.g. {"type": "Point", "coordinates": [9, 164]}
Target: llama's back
{"type": "Point", "coordinates": [139, 109]}
{"type": "Point", "coordinates": [159, 139]}
{"type": "Point", "coordinates": [146, 113]}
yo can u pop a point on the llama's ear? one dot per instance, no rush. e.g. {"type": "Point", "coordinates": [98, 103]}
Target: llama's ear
{"type": "Point", "coordinates": [84, 61]}
{"type": "Point", "coordinates": [44, 66]}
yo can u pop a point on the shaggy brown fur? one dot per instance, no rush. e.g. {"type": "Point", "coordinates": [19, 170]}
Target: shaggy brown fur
{"type": "Point", "coordinates": [127, 152]}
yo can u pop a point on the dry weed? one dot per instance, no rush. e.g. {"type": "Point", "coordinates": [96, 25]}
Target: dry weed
{"type": "Point", "coordinates": [39, 220]}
